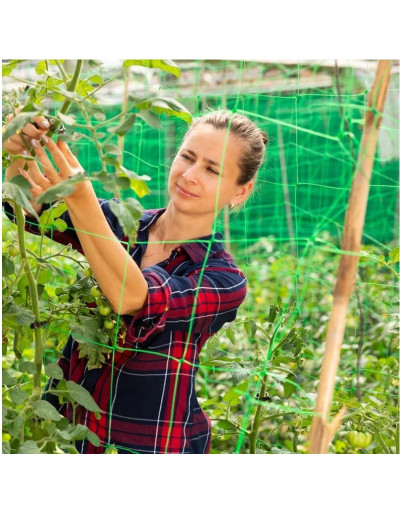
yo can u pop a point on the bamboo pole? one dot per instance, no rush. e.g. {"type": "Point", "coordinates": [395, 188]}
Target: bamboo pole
{"type": "Point", "coordinates": [322, 430]}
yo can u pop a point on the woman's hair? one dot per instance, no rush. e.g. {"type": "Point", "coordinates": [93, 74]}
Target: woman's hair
{"type": "Point", "coordinates": [254, 140]}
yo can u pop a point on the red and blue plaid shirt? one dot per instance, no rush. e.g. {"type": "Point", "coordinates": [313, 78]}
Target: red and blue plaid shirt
{"type": "Point", "coordinates": [153, 406]}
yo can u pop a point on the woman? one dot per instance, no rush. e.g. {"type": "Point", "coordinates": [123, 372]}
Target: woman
{"type": "Point", "coordinates": [172, 296]}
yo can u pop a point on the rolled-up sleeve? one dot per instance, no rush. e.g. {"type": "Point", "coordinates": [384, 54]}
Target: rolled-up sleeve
{"type": "Point", "coordinates": [197, 303]}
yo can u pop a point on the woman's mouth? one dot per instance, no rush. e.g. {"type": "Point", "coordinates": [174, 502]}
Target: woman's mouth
{"type": "Point", "coordinates": [185, 193]}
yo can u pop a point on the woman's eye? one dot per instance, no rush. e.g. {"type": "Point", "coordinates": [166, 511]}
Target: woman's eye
{"type": "Point", "coordinates": [213, 171]}
{"type": "Point", "coordinates": [187, 157]}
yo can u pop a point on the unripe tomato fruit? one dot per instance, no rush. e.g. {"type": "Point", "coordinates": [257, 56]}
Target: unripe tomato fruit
{"type": "Point", "coordinates": [95, 291]}
{"type": "Point", "coordinates": [359, 439]}
{"type": "Point", "coordinates": [104, 310]}
{"type": "Point", "coordinates": [87, 272]}
{"type": "Point", "coordinates": [59, 291]}
{"type": "Point", "coordinates": [64, 298]}
{"type": "Point", "coordinates": [111, 449]}
{"type": "Point", "coordinates": [13, 251]}
{"type": "Point", "coordinates": [108, 324]}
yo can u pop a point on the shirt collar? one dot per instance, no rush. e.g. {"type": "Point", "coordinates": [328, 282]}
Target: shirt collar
{"type": "Point", "coordinates": [196, 250]}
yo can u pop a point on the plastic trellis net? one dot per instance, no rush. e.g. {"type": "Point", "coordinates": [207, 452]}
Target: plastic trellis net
{"type": "Point", "coordinates": [257, 378]}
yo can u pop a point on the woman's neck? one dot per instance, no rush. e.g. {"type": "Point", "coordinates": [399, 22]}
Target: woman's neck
{"type": "Point", "coordinates": [178, 226]}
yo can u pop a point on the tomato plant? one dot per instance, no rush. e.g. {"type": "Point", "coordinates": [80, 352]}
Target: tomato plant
{"type": "Point", "coordinates": [48, 290]}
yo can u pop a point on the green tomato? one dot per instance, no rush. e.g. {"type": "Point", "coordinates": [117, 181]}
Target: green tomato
{"type": "Point", "coordinates": [104, 310]}
{"type": "Point", "coordinates": [111, 449]}
{"type": "Point", "coordinates": [13, 251]}
{"type": "Point", "coordinates": [359, 439]}
{"type": "Point", "coordinates": [95, 291]}
{"type": "Point", "coordinates": [64, 298]}
{"type": "Point", "coordinates": [108, 324]}
{"type": "Point", "coordinates": [59, 291]}
{"type": "Point", "coordinates": [87, 272]}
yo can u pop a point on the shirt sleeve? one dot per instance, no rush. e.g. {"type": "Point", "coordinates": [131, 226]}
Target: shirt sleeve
{"type": "Point", "coordinates": [69, 236]}
{"type": "Point", "coordinates": [176, 303]}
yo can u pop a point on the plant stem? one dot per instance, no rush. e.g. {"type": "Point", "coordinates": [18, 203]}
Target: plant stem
{"type": "Point", "coordinates": [19, 213]}
{"type": "Point", "coordinates": [257, 417]}
{"type": "Point", "coordinates": [71, 86]}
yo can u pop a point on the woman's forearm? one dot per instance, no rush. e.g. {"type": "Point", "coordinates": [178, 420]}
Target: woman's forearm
{"type": "Point", "coordinates": [117, 274]}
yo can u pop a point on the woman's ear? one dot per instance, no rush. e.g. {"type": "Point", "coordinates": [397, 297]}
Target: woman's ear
{"type": "Point", "coordinates": [242, 194]}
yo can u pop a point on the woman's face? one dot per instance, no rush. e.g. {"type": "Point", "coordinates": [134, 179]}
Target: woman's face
{"type": "Point", "coordinates": [205, 171]}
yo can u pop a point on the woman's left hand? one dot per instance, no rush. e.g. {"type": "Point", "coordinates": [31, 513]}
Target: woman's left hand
{"type": "Point", "coordinates": [67, 164]}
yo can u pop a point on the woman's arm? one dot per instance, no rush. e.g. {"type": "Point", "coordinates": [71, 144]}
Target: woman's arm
{"type": "Point", "coordinates": [117, 274]}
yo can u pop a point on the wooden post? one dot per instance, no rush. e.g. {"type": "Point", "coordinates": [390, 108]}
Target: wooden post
{"type": "Point", "coordinates": [322, 430]}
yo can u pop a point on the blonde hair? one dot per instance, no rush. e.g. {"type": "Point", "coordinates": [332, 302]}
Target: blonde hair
{"type": "Point", "coordinates": [254, 140]}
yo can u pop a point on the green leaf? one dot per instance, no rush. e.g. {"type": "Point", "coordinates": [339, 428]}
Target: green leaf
{"type": "Point", "coordinates": [88, 330]}
{"type": "Point", "coordinates": [17, 395]}
{"type": "Point", "coordinates": [7, 379]}
{"type": "Point", "coordinates": [226, 425]}
{"type": "Point", "coordinates": [68, 120]}
{"type": "Point", "coordinates": [8, 67]}
{"type": "Point", "coordinates": [288, 389]}
{"type": "Point", "coordinates": [44, 409]}
{"type": "Point", "coordinates": [123, 127]}
{"type": "Point", "coordinates": [168, 106]}
{"type": "Point", "coordinates": [30, 107]}
{"type": "Point", "coordinates": [128, 213]}
{"type": "Point", "coordinates": [112, 149]}
{"type": "Point", "coordinates": [29, 447]}
{"type": "Point", "coordinates": [41, 68]}
{"type": "Point", "coordinates": [394, 255]}
{"type": "Point", "coordinates": [14, 316]}
{"type": "Point", "coordinates": [5, 448]}
{"type": "Point", "coordinates": [60, 225]}
{"type": "Point", "coordinates": [7, 266]}
{"type": "Point", "coordinates": [231, 335]}
{"type": "Point", "coordinates": [150, 118]}
{"type": "Point", "coordinates": [53, 370]}
{"type": "Point", "coordinates": [80, 395]}
{"type": "Point", "coordinates": [64, 188]}
{"type": "Point", "coordinates": [96, 79]}
{"type": "Point", "coordinates": [136, 182]}
{"type": "Point", "coordinates": [79, 432]}
{"type": "Point", "coordinates": [47, 218]}
{"type": "Point", "coordinates": [27, 367]}
{"type": "Point", "coordinates": [93, 438]}
{"type": "Point", "coordinates": [165, 65]}
{"type": "Point", "coordinates": [20, 196]}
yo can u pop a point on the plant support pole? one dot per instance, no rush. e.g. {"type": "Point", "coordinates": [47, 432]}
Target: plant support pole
{"type": "Point", "coordinates": [322, 430]}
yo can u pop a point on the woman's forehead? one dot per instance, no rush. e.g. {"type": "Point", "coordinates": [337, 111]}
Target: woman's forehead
{"type": "Point", "coordinates": [215, 142]}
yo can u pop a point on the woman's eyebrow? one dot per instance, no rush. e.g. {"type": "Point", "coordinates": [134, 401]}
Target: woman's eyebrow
{"type": "Point", "coordinates": [205, 159]}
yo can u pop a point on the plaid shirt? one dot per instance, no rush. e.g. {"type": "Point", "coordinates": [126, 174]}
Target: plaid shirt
{"type": "Point", "coordinates": [154, 408]}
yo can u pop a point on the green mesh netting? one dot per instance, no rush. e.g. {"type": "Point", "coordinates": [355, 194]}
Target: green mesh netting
{"type": "Point", "coordinates": [287, 240]}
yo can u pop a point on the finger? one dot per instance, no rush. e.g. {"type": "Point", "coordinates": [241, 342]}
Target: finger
{"type": "Point", "coordinates": [24, 142]}
{"type": "Point", "coordinates": [13, 147]}
{"type": "Point", "coordinates": [41, 123]}
{"type": "Point", "coordinates": [48, 168]}
{"type": "Point", "coordinates": [36, 189]}
{"type": "Point", "coordinates": [69, 156]}
{"type": "Point", "coordinates": [34, 132]}
{"type": "Point", "coordinates": [59, 159]}
{"type": "Point", "coordinates": [36, 175]}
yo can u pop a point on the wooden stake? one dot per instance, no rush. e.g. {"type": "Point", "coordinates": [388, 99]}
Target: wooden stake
{"type": "Point", "coordinates": [322, 430]}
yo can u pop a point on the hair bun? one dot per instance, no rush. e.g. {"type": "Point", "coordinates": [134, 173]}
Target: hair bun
{"type": "Point", "coordinates": [264, 137]}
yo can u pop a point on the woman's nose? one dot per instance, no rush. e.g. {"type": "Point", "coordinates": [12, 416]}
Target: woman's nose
{"type": "Point", "coordinates": [192, 173]}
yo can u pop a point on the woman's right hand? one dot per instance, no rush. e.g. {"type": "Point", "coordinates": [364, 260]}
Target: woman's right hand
{"type": "Point", "coordinates": [15, 145]}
